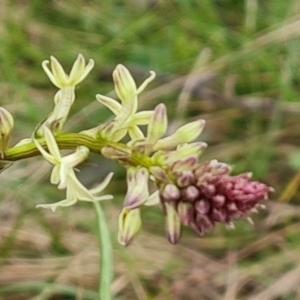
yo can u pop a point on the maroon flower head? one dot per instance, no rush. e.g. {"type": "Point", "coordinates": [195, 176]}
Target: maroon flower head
{"type": "Point", "coordinates": [209, 194]}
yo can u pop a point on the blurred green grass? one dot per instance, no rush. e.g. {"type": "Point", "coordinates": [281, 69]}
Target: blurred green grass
{"type": "Point", "coordinates": [232, 63]}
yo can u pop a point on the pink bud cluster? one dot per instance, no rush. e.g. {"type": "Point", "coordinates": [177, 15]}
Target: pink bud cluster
{"type": "Point", "coordinates": [208, 194]}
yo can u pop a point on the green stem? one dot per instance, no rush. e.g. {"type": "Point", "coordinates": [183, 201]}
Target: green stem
{"type": "Point", "coordinates": [106, 257]}
{"type": "Point", "coordinates": [73, 140]}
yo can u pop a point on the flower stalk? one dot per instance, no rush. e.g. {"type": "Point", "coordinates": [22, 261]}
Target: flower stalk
{"type": "Point", "coordinates": [106, 255]}
{"type": "Point", "coordinates": [161, 169]}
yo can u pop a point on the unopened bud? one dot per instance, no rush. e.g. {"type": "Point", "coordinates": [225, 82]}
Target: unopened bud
{"type": "Point", "coordinates": [185, 150]}
{"type": "Point", "coordinates": [6, 125]}
{"type": "Point", "coordinates": [129, 224]}
{"type": "Point", "coordinates": [184, 134]}
{"type": "Point", "coordinates": [173, 226]}
{"type": "Point", "coordinates": [170, 192]}
{"type": "Point", "coordinates": [158, 124]}
{"type": "Point", "coordinates": [124, 84]}
{"type": "Point", "coordinates": [185, 212]}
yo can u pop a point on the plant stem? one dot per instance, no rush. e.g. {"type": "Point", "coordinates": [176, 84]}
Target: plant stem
{"type": "Point", "coordinates": [71, 141]}
{"type": "Point", "coordinates": [106, 257]}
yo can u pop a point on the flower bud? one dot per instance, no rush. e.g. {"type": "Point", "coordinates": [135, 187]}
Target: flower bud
{"type": "Point", "coordinates": [184, 134]}
{"type": "Point", "coordinates": [185, 212]}
{"type": "Point", "coordinates": [113, 153]}
{"type": "Point", "coordinates": [170, 192]}
{"type": "Point", "coordinates": [124, 84]}
{"type": "Point", "coordinates": [184, 151]}
{"type": "Point", "coordinates": [137, 187]}
{"type": "Point", "coordinates": [185, 164]}
{"type": "Point", "coordinates": [159, 173]}
{"type": "Point", "coordinates": [173, 226]}
{"type": "Point", "coordinates": [129, 224]}
{"type": "Point", "coordinates": [6, 125]}
{"type": "Point", "coordinates": [158, 124]}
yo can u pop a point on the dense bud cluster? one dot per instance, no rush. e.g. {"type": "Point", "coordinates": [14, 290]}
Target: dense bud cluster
{"type": "Point", "coordinates": [208, 194]}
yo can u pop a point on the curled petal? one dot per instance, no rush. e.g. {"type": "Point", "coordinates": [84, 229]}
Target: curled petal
{"type": "Point", "coordinates": [146, 82]}
{"type": "Point", "coordinates": [100, 187]}
{"type": "Point", "coordinates": [110, 103]}
{"type": "Point", "coordinates": [49, 73]}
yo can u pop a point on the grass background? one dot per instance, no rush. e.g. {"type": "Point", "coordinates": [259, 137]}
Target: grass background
{"type": "Point", "coordinates": [234, 64]}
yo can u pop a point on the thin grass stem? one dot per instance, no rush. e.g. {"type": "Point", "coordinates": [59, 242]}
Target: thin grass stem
{"type": "Point", "coordinates": [106, 256]}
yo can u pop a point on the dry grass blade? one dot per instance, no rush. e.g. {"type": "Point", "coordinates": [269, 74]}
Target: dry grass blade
{"type": "Point", "coordinates": [286, 284]}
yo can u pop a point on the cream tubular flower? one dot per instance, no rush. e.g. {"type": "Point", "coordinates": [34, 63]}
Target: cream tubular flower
{"type": "Point", "coordinates": [62, 165]}
{"type": "Point", "coordinates": [77, 192]}
{"type": "Point", "coordinates": [126, 120]}
{"type": "Point", "coordinates": [65, 97]}
{"type": "Point", "coordinates": [58, 76]}
{"type": "Point", "coordinates": [63, 174]}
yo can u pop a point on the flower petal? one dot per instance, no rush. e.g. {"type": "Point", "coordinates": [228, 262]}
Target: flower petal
{"type": "Point", "coordinates": [124, 84]}
{"type": "Point", "coordinates": [86, 71]}
{"type": "Point", "coordinates": [58, 73]}
{"type": "Point", "coordinates": [54, 206]}
{"type": "Point", "coordinates": [49, 73]}
{"type": "Point", "coordinates": [51, 143]}
{"type": "Point", "coordinates": [142, 117]}
{"type": "Point", "coordinates": [55, 178]}
{"type": "Point", "coordinates": [135, 133]}
{"type": "Point", "coordinates": [101, 186]}
{"type": "Point", "coordinates": [77, 69]}
{"type": "Point", "coordinates": [110, 103]}
{"type": "Point", "coordinates": [146, 82]}
{"type": "Point", "coordinates": [45, 154]}
{"type": "Point", "coordinates": [74, 184]}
